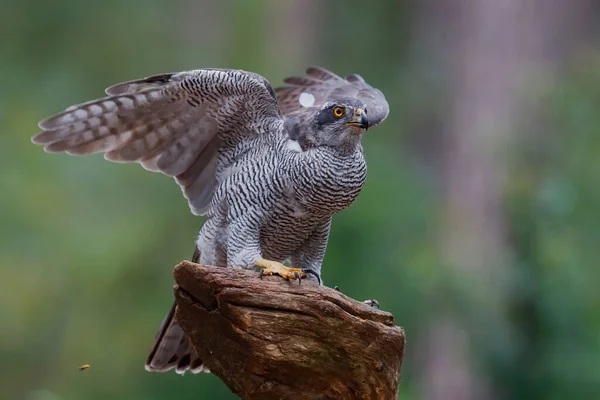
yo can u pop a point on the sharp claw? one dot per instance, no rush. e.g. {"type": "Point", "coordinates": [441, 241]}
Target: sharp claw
{"type": "Point", "coordinates": [313, 273]}
{"type": "Point", "coordinates": [261, 273]}
{"type": "Point", "coordinates": [337, 288]}
{"type": "Point", "coordinates": [297, 275]}
{"type": "Point", "coordinates": [373, 303]}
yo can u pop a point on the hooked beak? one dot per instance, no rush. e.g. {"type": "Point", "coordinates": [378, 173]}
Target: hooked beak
{"type": "Point", "coordinates": [359, 119]}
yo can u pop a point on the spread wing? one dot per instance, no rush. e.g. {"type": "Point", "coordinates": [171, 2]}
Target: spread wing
{"type": "Point", "coordinates": [321, 85]}
{"type": "Point", "coordinates": [176, 124]}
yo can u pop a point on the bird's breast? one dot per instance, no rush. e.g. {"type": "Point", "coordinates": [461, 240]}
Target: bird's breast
{"type": "Point", "coordinates": [329, 184]}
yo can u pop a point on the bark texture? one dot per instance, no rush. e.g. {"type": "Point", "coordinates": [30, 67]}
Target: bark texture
{"type": "Point", "coordinates": [273, 339]}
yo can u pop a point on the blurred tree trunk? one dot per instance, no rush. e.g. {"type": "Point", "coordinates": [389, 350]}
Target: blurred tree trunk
{"type": "Point", "coordinates": [293, 33]}
{"type": "Point", "coordinates": [489, 50]}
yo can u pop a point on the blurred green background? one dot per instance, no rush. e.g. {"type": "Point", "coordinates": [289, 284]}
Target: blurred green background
{"type": "Point", "coordinates": [477, 228]}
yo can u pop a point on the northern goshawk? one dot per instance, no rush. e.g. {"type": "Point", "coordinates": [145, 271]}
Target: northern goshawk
{"type": "Point", "coordinates": [267, 167]}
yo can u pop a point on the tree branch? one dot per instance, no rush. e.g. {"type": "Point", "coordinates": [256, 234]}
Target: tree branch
{"type": "Point", "coordinates": [272, 339]}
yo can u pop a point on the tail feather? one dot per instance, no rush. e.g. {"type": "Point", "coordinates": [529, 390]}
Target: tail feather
{"type": "Point", "coordinates": [172, 349]}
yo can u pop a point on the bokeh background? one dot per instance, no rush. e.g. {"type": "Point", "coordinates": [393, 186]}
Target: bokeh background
{"type": "Point", "coordinates": [477, 228]}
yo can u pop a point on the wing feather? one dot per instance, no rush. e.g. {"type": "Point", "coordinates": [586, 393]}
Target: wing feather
{"type": "Point", "coordinates": [171, 123]}
{"type": "Point", "coordinates": [324, 86]}
{"type": "Point", "coordinates": [139, 84]}
{"type": "Point", "coordinates": [322, 74]}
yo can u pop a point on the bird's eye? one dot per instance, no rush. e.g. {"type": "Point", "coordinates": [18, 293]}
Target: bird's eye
{"type": "Point", "coordinates": [339, 112]}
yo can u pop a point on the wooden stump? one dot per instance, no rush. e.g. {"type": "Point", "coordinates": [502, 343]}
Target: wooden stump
{"type": "Point", "coordinates": [273, 339]}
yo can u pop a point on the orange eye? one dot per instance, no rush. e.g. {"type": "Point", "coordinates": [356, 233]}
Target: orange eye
{"type": "Point", "coordinates": [339, 112]}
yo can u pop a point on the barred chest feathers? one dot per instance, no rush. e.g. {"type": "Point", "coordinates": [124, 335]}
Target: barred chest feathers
{"type": "Point", "coordinates": [325, 182]}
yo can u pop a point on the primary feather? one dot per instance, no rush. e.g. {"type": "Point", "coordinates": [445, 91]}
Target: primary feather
{"type": "Point", "coordinates": [169, 123]}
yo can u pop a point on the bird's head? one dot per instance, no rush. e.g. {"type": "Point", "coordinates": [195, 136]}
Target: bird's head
{"type": "Point", "coordinates": [340, 123]}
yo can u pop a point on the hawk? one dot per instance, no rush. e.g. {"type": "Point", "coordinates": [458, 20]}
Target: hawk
{"type": "Point", "coordinates": [268, 168]}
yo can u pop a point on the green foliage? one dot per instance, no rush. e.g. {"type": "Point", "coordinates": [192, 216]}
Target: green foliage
{"type": "Point", "coordinates": [553, 197]}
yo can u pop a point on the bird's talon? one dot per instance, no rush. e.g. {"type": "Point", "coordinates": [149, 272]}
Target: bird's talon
{"type": "Point", "coordinates": [337, 288]}
{"type": "Point", "coordinates": [373, 303]}
{"type": "Point", "coordinates": [269, 267]}
{"type": "Point", "coordinates": [313, 273]}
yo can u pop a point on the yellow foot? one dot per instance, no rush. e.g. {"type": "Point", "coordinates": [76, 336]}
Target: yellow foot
{"type": "Point", "coordinates": [276, 268]}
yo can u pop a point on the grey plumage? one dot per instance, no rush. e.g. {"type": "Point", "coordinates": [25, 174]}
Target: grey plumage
{"type": "Point", "coordinates": [267, 168]}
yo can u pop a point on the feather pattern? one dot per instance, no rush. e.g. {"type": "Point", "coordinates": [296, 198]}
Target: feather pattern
{"type": "Point", "coordinates": [325, 86]}
{"type": "Point", "coordinates": [167, 122]}
{"type": "Point", "coordinates": [172, 349]}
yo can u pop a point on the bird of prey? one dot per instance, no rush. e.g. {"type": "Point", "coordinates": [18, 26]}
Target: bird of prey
{"type": "Point", "coordinates": [268, 168]}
